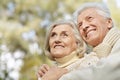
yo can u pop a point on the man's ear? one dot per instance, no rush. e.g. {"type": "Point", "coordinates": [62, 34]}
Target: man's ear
{"type": "Point", "coordinates": [110, 23]}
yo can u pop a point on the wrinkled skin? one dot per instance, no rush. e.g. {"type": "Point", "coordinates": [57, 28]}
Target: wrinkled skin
{"type": "Point", "coordinates": [93, 27]}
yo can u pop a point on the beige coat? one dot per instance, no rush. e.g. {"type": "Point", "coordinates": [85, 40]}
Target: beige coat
{"type": "Point", "coordinates": [86, 61]}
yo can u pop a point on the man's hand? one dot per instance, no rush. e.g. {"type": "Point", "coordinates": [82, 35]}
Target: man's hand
{"type": "Point", "coordinates": [42, 70]}
{"type": "Point", "coordinates": [54, 73]}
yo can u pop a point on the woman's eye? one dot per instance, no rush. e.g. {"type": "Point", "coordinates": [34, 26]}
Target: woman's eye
{"type": "Point", "coordinates": [52, 35]}
{"type": "Point", "coordinates": [64, 35]}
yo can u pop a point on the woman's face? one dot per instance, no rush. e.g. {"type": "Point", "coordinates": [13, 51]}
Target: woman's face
{"type": "Point", "coordinates": [62, 41]}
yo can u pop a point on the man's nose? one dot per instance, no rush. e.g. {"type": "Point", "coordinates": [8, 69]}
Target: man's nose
{"type": "Point", "coordinates": [85, 26]}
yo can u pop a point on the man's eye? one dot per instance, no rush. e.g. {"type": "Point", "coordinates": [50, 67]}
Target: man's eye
{"type": "Point", "coordinates": [90, 18]}
{"type": "Point", "coordinates": [80, 24]}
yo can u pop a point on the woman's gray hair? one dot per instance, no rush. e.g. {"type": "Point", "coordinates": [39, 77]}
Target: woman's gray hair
{"type": "Point", "coordinates": [101, 8]}
{"type": "Point", "coordinates": [81, 44]}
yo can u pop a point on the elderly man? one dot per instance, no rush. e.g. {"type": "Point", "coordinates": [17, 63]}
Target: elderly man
{"type": "Point", "coordinates": [97, 29]}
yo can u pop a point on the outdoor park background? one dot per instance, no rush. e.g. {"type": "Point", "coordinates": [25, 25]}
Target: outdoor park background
{"type": "Point", "coordinates": [23, 25]}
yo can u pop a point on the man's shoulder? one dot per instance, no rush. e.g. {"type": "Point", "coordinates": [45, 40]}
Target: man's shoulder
{"type": "Point", "coordinates": [115, 52]}
{"type": "Point", "coordinates": [116, 47]}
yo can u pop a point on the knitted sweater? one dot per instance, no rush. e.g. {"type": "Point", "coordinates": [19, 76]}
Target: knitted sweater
{"type": "Point", "coordinates": [73, 62]}
{"type": "Point", "coordinates": [104, 49]}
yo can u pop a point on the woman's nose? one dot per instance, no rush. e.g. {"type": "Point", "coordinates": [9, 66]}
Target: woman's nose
{"type": "Point", "coordinates": [57, 39]}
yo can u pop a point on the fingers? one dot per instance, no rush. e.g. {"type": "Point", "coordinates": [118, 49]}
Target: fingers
{"type": "Point", "coordinates": [51, 73]}
{"type": "Point", "coordinates": [43, 69]}
{"type": "Point", "coordinates": [46, 67]}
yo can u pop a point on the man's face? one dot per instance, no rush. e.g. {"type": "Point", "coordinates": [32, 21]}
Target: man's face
{"type": "Point", "coordinates": [93, 27]}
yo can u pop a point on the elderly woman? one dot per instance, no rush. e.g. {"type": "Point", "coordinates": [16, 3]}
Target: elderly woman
{"type": "Point", "coordinates": [65, 46]}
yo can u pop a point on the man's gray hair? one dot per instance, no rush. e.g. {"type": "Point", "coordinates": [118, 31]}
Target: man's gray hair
{"type": "Point", "coordinates": [101, 8]}
{"type": "Point", "coordinates": [81, 44]}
